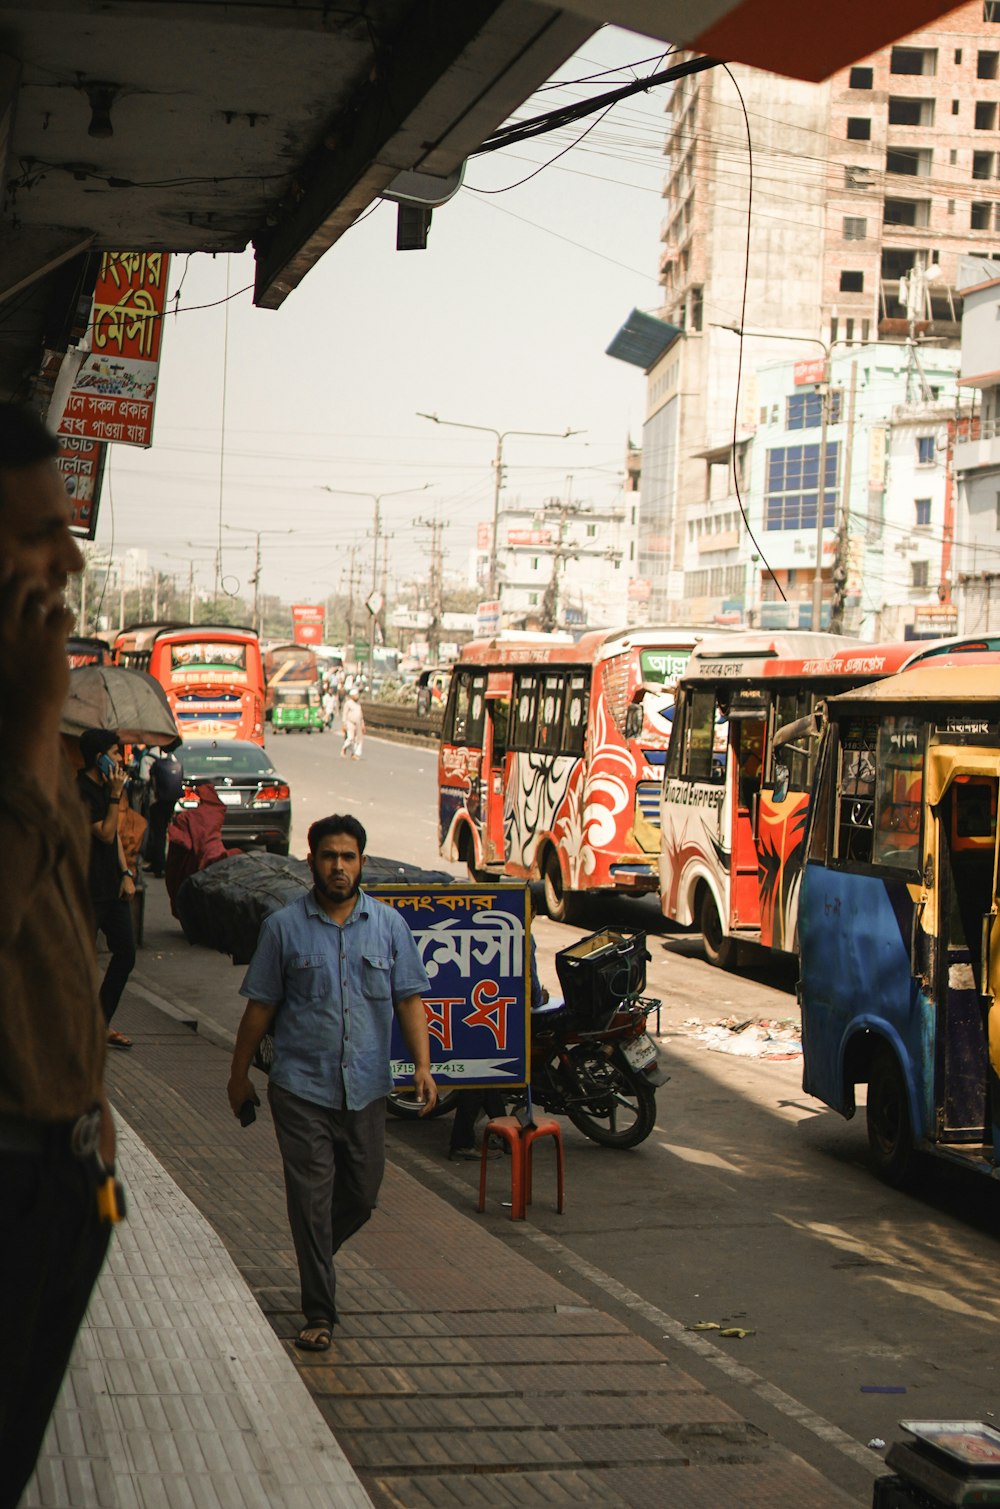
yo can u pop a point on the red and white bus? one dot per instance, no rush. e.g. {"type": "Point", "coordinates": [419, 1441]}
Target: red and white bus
{"type": "Point", "coordinates": [212, 675]}
{"type": "Point", "coordinates": [552, 756]}
{"type": "Point", "coordinates": [734, 803]}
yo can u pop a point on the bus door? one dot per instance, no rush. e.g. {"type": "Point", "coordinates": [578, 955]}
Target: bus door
{"type": "Point", "coordinates": [967, 819]}
{"type": "Point", "coordinates": [747, 734]}
{"type": "Point", "coordinates": [495, 774]}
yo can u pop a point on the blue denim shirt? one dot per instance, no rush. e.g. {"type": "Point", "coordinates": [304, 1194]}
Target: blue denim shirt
{"type": "Point", "coordinates": [335, 986]}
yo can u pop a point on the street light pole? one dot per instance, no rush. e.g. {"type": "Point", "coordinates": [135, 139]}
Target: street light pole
{"type": "Point", "coordinates": [376, 498]}
{"type": "Point", "coordinates": [501, 436]}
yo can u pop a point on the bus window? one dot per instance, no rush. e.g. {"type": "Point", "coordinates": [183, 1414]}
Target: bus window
{"type": "Point", "coordinates": [499, 711]}
{"type": "Point", "coordinates": [468, 708]}
{"type": "Point", "coordinates": [575, 717]}
{"type": "Point", "coordinates": [550, 710]}
{"type": "Point", "coordinates": [856, 791]}
{"type": "Point", "coordinates": [821, 806]}
{"type": "Point", "coordinates": [798, 756]}
{"type": "Point", "coordinates": [525, 708]}
{"type": "Point", "coordinates": [704, 728]}
{"type": "Point", "coordinates": [898, 793]}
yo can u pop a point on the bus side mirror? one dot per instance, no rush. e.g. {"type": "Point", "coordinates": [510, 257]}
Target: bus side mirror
{"type": "Point", "coordinates": [633, 720]}
{"type": "Point", "coordinates": [782, 777]}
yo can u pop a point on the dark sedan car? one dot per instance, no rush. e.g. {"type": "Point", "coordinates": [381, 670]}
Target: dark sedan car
{"type": "Point", "coordinates": [257, 801]}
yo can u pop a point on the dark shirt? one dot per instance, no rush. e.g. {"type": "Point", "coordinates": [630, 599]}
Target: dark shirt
{"type": "Point", "coordinates": [52, 1030]}
{"type": "Point", "coordinates": [104, 874]}
{"type": "Point", "coordinates": [167, 777]}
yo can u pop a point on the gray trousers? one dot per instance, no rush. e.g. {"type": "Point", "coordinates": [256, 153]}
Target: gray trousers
{"type": "Point", "coordinates": [333, 1162]}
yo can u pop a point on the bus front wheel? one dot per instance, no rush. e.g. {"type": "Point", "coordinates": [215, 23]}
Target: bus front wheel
{"type": "Point", "coordinates": [718, 948]}
{"type": "Point", "coordinates": [890, 1131]}
{"type": "Point", "coordinates": [561, 905]}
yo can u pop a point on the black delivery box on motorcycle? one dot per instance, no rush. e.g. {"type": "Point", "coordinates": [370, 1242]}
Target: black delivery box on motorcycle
{"type": "Point", "coordinates": [599, 973]}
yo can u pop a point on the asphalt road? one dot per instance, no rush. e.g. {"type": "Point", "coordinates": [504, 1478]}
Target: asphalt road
{"type": "Point", "coordinates": [750, 1205]}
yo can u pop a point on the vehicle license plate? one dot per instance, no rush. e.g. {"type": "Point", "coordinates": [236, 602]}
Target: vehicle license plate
{"type": "Point", "coordinates": [640, 1052]}
{"type": "Point", "coordinates": [229, 798]}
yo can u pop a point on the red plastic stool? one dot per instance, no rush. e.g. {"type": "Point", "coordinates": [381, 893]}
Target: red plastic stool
{"type": "Point", "coordinates": [521, 1138]}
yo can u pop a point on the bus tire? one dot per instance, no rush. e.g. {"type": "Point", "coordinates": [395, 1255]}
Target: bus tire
{"type": "Point", "coordinates": [561, 905]}
{"type": "Point", "coordinates": [718, 948]}
{"type": "Point", "coordinates": [890, 1131]}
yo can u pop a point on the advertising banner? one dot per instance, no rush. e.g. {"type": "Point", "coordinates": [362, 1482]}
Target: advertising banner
{"type": "Point", "coordinates": [487, 618]}
{"type": "Point", "coordinates": [114, 393]}
{"type": "Point", "coordinates": [81, 463]}
{"type": "Point", "coordinates": [308, 623]}
{"type": "Point", "coordinates": [812, 372]}
{"type": "Point", "coordinates": [474, 943]}
{"type": "Point", "coordinates": [529, 537]}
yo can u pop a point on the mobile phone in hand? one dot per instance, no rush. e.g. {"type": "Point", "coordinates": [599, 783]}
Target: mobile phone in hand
{"type": "Point", "coordinates": [106, 765]}
{"type": "Point", "coordinates": [248, 1114]}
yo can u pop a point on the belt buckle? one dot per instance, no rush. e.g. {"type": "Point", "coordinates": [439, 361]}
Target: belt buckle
{"type": "Point", "coordinates": [85, 1134]}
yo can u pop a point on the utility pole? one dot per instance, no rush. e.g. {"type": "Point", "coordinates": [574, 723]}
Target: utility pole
{"type": "Point", "coordinates": [353, 583]}
{"type": "Point", "coordinates": [560, 551]}
{"type": "Point", "coordinates": [373, 605]}
{"type": "Point", "coordinates": [121, 594]}
{"type": "Point", "coordinates": [842, 560]}
{"type": "Point", "coordinates": [255, 579]}
{"type": "Point", "coordinates": [190, 592]}
{"type": "Point", "coordinates": [435, 583]}
{"type": "Point", "coordinates": [501, 436]}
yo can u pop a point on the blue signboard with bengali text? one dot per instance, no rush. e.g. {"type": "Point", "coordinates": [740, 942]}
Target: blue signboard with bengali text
{"type": "Point", "coordinates": [474, 944]}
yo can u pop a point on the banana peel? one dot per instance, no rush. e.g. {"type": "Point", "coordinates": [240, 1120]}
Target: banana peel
{"type": "Point", "coordinates": [736, 1333]}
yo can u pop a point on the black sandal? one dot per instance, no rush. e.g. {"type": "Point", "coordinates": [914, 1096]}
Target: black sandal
{"type": "Point", "coordinates": [315, 1338]}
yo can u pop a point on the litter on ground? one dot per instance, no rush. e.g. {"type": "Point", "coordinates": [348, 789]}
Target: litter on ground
{"type": "Point", "coordinates": [749, 1038]}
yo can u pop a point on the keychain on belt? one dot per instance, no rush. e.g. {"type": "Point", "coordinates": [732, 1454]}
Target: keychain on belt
{"type": "Point", "coordinates": [110, 1198]}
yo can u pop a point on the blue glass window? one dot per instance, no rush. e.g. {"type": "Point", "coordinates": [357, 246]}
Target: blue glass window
{"type": "Point", "coordinates": [791, 487]}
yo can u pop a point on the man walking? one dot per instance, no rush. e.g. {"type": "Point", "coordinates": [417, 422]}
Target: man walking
{"type": "Point", "coordinates": [354, 726]}
{"type": "Point", "coordinates": [54, 1117]}
{"type": "Point", "coordinates": [328, 974]}
{"type": "Point", "coordinates": [111, 882]}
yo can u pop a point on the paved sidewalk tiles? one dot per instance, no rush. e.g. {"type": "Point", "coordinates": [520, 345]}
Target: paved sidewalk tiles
{"type": "Point", "coordinates": [178, 1393]}
{"type": "Point", "coordinates": [462, 1373]}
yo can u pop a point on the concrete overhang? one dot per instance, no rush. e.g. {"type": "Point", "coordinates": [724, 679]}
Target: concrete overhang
{"type": "Point", "coordinates": [207, 125]}
{"type": "Point", "coordinates": [192, 125]}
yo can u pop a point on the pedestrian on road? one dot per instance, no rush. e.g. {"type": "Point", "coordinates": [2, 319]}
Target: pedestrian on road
{"type": "Point", "coordinates": [55, 1123]}
{"type": "Point", "coordinates": [328, 974]}
{"type": "Point", "coordinates": [166, 778]}
{"type": "Point", "coordinates": [111, 882]}
{"type": "Point", "coordinates": [354, 726]}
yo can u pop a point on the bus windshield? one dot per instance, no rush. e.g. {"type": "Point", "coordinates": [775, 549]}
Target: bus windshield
{"type": "Point", "coordinates": [208, 653]}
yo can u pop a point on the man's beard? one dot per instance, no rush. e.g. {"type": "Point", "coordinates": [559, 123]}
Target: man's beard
{"type": "Point", "coordinates": [332, 894]}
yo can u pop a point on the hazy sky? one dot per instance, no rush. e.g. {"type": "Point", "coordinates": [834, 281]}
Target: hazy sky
{"type": "Point", "coordinates": [502, 321]}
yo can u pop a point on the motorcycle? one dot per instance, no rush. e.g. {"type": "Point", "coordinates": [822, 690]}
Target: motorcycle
{"type": "Point", "coordinates": [592, 1058]}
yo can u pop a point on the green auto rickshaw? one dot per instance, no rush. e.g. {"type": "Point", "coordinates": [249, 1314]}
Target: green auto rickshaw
{"type": "Point", "coordinates": [297, 706]}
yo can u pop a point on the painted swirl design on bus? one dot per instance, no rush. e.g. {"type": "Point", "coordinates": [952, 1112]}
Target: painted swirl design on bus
{"type": "Point", "coordinates": [535, 794]}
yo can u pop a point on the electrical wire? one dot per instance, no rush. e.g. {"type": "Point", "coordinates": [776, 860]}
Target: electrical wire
{"type": "Point", "coordinates": [739, 363]}
{"type": "Point", "coordinates": [542, 125]}
{"type": "Point", "coordinates": [543, 166]}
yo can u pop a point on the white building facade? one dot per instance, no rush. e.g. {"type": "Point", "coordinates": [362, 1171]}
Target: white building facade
{"type": "Point", "coordinates": [566, 565]}
{"type": "Point", "coordinates": [885, 541]}
{"type": "Point", "coordinates": [976, 445]}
